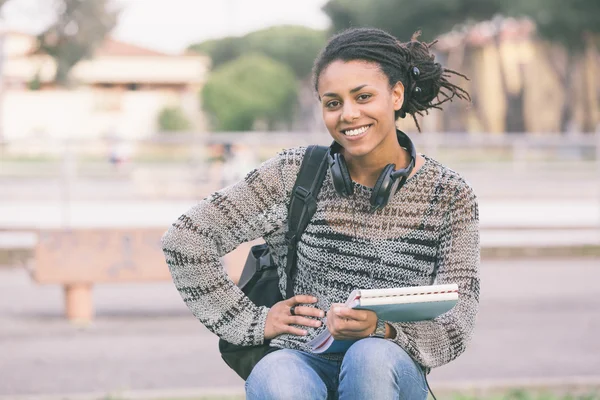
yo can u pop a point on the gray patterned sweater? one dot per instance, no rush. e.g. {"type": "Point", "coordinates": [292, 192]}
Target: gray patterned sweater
{"type": "Point", "coordinates": [431, 224]}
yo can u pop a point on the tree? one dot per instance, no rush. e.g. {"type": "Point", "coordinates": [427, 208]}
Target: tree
{"type": "Point", "coordinates": [295, 46]}
{"type": "Point", "coordinates": [172, 119]}
{"type": "Point", "coordinates": [250, 90]}
{"type": "Point", "coordinates": [79, 29]}
{"type": "Point", "coordinates": [220, 51]}
{"type": "Point", "coordinates": [573, 24]}
{"type": "Point", "coordinates": [402, 18]}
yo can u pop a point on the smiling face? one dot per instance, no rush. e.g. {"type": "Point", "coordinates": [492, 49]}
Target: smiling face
{"type": "Point", "coordinates": [358, 107]}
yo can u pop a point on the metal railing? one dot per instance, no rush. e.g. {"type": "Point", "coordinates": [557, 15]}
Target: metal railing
{"type": "Point", "coordinates": [190, 165]}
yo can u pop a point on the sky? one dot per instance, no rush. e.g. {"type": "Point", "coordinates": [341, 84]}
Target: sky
{"type": "Point", "coordinates": [171, 25]}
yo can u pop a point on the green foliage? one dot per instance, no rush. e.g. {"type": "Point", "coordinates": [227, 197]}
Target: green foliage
{"type": "Point", "coordinates": [253, 88]}
{"type": "Point", "coordinates": [565, 22]}
{"type": "Point", "coordinates": [511, 395]}
{"type": "Point", "coordinates": [295, 46]}
{"type": "Point", "coordinates": [220, 51]}
{"type": "Point", "coordinates": [79, 28]}
{"type": "Point", "coordinates": [35, 83]}
{"type": "Point", "coordinates": [526, 395]}
{"type": "Point", "coordinates": [557, 20]}
{"type": "Point", "coordinates": [402, 18]}
{"type": "Point", "coordinates": [172, 119]}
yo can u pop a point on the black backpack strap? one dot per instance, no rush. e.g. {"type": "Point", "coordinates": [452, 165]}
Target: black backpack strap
{"type": "Point", "coordinates": [303, 203]}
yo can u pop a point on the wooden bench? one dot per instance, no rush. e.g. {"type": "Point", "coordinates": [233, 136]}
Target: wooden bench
{"type": "Point", "coordinates": [80, 258]}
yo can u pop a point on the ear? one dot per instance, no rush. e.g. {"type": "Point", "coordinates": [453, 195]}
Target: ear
{"type": "Point", "coordinates": [398, 95]}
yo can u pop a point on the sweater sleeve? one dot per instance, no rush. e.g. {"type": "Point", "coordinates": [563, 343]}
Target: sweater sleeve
{"type": "Point", "coordinates": [193, 245]}
{"type": "Point", "coordinates": [439, 341]}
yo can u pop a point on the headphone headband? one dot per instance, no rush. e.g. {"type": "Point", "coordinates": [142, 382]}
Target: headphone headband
{"type": "Point", "coordinates": [407, 144]}
{"type": "Point", "coordinates": [389, 181]}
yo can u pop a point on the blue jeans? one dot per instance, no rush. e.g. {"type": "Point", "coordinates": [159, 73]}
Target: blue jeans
{"type": "Point", "coordinates": [371, 369]}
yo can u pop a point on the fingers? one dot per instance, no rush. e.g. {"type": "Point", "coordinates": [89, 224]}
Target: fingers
{"type": "Point", "coordinates": [308, 311]}
{"type": "Point", "coordinates": [280, 319]}
{"type": "Point", "coordinates": [345, 323]}
{"type": "Point", "coordinates": [293, 330]}
{"type": "Point", "coordinates": [297, 320]}
{"type": "Point", "coordinates": [278, 322]}
{"type": "Point", "coordinates": [301, 299]}
{"type": "Point", "coordinates": [352, 326]}
{"type": "Point", "coordinates": [348, 313]}
{"type": "Point", "coordinates": [282, 326]}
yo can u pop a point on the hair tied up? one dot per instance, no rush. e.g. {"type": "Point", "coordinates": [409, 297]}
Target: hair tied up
{"type": "Point", "coordinates": [425, 81]}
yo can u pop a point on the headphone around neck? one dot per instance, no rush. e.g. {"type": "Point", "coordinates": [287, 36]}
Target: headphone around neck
{"type": "Point", "coordinates": [389, 182]}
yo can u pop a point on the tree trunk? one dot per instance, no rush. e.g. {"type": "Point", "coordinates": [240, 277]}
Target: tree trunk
{"type": "Point", "coordinates": [588, 124]}
{"type": "Point", "coordinates": [62, 72]}
{"type": "Point", "coordinates": [456, 115]}
{"type": "Point", "coordinates": [566, 114]}
{"type": "Point", "coordinates": [565, 79]}
{"type": "Point", "coordinates": [590, 100]}
{"type": "Point", "coordinates": [514, 121]}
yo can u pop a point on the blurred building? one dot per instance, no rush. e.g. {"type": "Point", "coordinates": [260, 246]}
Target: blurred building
{"type": "Point", "coordinates": [118, 93]}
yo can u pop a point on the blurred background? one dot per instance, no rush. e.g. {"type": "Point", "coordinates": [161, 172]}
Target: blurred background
{"type": "Point", "coordinates": [117, 116]}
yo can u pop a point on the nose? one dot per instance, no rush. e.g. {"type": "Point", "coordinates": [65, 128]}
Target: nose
{"type": "Point", "coordinates": [349, 113]}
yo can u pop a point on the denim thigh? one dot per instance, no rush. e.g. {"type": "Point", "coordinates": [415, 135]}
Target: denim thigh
{"type": "Point", "coordinates": [294, 375]}
{"type": "Point", "coordinates": [376, 368]}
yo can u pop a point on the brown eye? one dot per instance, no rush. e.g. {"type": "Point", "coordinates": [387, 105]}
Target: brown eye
{"type": "Point", "coordinates": [364, 97]}
{"type": "Point", "coordinates": [332, 104]}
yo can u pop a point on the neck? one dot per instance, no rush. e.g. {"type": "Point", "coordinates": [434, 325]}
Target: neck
{"type": "Point", "coordinates": [366, 169]}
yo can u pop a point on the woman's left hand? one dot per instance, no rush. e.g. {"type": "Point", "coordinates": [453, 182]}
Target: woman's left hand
{"type": "Point", "coordinates": [345, 323]}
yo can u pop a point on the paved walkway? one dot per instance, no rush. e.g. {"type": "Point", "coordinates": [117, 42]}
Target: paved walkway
{"type": "Point", "coordinates": [493, 213]}
{"type": "Point", "coordinates": [538, 319]}
{"type": "Point", "coordinates": [550, 223]}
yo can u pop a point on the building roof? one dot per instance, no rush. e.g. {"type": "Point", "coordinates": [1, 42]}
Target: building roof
{"type": "Point", "coordinates": [110, 47]}
{"type": "Point", "coordinates": [113, 47]}
{"type": "Point", "coordinates": [113, 62]}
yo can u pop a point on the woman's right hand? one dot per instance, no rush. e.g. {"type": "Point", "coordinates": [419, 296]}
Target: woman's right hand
{"type": "Point", "coordinates": [280, 319]}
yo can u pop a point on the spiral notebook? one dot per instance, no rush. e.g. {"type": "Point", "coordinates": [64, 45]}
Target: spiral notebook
{"type": "Point", "coordinates": [407, 304]}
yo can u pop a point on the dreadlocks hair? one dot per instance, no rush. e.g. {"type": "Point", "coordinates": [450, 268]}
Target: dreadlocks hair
{"type": "Point", "coordinates": [426, 83]}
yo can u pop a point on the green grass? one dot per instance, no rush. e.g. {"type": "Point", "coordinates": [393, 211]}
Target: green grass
{"type": "Point", "coordinates": [177, 398]}
{"type": "Point", "coordinates": [511, 395]}
{"type": "Point", "coordinates": [524, 395]}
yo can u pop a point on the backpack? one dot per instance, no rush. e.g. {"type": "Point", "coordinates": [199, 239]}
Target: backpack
{"type": "Point", "coordinates": [259, 279]}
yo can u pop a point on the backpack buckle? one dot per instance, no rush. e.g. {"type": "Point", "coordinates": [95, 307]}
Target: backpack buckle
{"type": "Point", "coordinates": [302, 193]}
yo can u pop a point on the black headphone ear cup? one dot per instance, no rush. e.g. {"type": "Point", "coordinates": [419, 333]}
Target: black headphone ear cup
{"type": "Point", "coordinates": [340, 175]}
{"type": "Point", "coordinates": [383, 187]}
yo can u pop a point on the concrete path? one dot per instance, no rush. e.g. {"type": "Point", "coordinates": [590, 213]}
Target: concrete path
{"type": "Point", "coordinates": [496, 214]}
{"type": "Point", "coordinates": [538, 319]}
{"type": "Point", "coordinates": [503, 223]}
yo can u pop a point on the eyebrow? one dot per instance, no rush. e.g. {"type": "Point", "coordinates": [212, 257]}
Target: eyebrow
{"type": "Point", "coordinates": [356, 89]}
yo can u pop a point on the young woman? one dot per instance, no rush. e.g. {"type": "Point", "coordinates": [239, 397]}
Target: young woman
{"type": "Point", "coordinates": [359, 237]}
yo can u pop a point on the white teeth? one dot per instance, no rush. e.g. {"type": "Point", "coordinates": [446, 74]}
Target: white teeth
{"type": "Point", "coordinates": [355, 132]}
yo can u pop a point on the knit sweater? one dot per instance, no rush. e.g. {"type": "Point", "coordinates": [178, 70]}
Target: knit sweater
{"type": "Point", "coordinates": [430, 225]}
